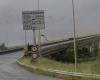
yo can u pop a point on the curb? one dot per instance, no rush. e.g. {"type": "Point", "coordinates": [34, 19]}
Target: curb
{"type": "Point", "coordinates": [35, 69]}
{"type": "Point", "coordinates": [50, 72]}
{"type": "Point", "coordinates": [59, 74]}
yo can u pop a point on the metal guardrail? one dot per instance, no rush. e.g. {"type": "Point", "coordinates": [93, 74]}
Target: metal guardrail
{"type": "Point", "coordinates": [62, 44]}
{"type": "Point", "coordinates": [65, 40]}
{"type": "Point", "coordinates": [49, 43]}
{"type": "Point", "coordinates": [10, 50]}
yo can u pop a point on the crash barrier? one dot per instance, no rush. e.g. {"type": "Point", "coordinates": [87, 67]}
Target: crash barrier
{"type": "Point", "coordinates": [10, 50]}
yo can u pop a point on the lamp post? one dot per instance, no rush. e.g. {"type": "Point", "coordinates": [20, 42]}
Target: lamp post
{"type": "Point", "coordinates": [34, 32]}
{"type": "Point", "coordinates": [74, 25]}
{"type": "Point", "coordinates": [39, 36]}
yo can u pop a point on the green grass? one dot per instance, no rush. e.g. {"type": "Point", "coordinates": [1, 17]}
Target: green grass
{"type": "Point", "coordinates": [48, 64]}
{"type": "Point", "coordinates": [89, 67]}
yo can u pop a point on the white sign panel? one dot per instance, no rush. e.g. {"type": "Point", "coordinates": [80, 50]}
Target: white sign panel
{"type": "Point", "coordinates": [33, 20]}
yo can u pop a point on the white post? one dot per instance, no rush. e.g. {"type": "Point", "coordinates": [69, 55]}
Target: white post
{"type": "Point", "coordinates": [75, 46]}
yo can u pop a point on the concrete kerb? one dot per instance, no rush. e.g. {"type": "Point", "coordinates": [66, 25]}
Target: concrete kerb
{"type": "Point", "coordinates": [59, 72]}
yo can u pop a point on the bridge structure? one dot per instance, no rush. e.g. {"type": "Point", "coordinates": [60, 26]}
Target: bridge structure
{"type": "Point", "coordinates": [61, 45]}
{"type": "Point", "coordinates": [57, 46]}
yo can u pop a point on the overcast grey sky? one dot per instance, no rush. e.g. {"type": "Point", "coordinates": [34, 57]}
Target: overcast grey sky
{"type": "Point", "coordinates": [58, 14]}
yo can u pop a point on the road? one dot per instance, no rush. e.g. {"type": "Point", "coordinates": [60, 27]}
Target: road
{"type": "Point", "coordinates": [10, 70]}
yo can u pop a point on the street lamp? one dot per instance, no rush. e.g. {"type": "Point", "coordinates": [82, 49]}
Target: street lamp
{"type": "Point", "coordinates": [39, 36]}
{"type": "Point", "coordinates": [75, 46]}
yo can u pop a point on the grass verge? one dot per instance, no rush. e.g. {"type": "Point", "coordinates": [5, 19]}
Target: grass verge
{"type": "Point", "coordinates": [45, 66]}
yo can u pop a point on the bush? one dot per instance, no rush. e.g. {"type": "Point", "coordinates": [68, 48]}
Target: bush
{"type": "Point", "coordinates": [83, 53]}
{"type": "Point", "coordinates": [3, 47]}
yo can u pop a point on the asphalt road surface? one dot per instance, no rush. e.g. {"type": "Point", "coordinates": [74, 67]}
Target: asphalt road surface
{"type": "Point", "coordinates": [9, 70]}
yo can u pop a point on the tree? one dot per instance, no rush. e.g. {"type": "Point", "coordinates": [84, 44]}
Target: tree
{"type": "Point", "coordinates": [3, 47]}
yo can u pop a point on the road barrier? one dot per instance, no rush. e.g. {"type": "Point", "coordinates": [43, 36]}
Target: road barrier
{"type": "Point", "coordinates": [10, 50]}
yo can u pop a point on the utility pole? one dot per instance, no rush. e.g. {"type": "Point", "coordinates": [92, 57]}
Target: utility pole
{"type": "Point", "coordinates": [25, 37]}
{"type": "Point", "coordinates": [62, 24]}
{"type": "Point", "coordinates": [7, 35]}
{"type": "Point", "coordinates": [34, 35]}
{"type": "Point", "coordinates": [39, 36]}
{"type": "Point", "coordinates": [75, 46]}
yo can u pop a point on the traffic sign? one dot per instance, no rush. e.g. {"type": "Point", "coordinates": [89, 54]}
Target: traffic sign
{"type": "Point", "coordinates": [35, 48]}
{"type": "Point", "coordinates": [34, 56]}
{"type": "Point", "coordinates": [33, 20]}
{"type": "Point", "coordinates": [35, 51]}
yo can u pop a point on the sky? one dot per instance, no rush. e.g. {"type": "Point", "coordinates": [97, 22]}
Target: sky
{"type": "Point", "coordinates": [58, 19]}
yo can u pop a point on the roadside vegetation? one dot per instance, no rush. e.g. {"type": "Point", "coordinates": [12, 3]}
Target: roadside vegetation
{"type": "Point", "coordinates": [42, 64]}
{"type": "Point", "coordinates": [88, 62]}
{"type": "Point", "coordinates": [89, 67]}
{"type": "Point", "coordinates": [83, 54]}
{"type": "Point", "coordinates": [3, 47]}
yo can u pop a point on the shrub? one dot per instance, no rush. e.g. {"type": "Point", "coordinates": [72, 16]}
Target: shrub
{"type": "Point", "coordinates": [3, 47]}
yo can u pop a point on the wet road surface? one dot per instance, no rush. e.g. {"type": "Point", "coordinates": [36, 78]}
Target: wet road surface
{"type": "Point", "coordinates": [9, 70]}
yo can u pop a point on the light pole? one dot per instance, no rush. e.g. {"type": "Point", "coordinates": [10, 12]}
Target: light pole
{"type": "Point", "coordinates": [7, 34]}
{"type": "Point", "coordinates": [39, 36]}
{"type": "Point", "coordinates": [34, 37]}
{"type": "Point", "coordinates": [74, 25]}
{"type": "Point", "coordinates": [34, 33]}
